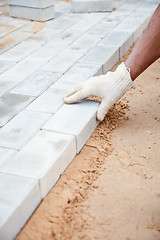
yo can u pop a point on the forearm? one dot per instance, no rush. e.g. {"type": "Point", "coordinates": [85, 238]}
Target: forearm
{"type": "Point", "coordinates": [147, 49]}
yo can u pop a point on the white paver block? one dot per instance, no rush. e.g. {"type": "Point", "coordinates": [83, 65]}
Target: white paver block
{"type": "Point", "coordinates": [13, 55]}
{"type": "Point", "coordinates": [80, 120]}
{"type": "Point", "coordinates": [86, 42]}
{"type": "Point", "coordinates": [25, 68]}
{"type": "Point", "coordinates": [7, 83]}
{"type": "Point", "coordinates": [18, 199]}
{"type": "Point", "coordinates": [31, 3]}
{"type": "Point", "coordinates": [80, 72]}
{"type": "Point", "coordinates": [5, 65]}
{"type": "Point", "coordinates": [64, 61]}
{"type": "Point", "coordinates": [44, 157]}
{"type": "Point", "coordinates": [102, 28]}
{"type": "Point", "coordinates": [36, 84]}
{"type": "Point", "coordinates": [121, 39]}
{"type": "Point", "coordinates": [37, 14]}
{"type": "Point", "coordinates": [91, 5]}
{"type": "Point", "coordinates": [11, 104]}
{"type": "Point", "coordinates": [5, 155]}
{"type": "Point", "coordinates": [106, 55]}
{"type": "Point", "coordinates": [21, 128]}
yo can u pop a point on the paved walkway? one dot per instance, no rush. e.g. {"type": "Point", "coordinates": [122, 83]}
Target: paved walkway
{"type": "Point", "coordinates": [39, 135]}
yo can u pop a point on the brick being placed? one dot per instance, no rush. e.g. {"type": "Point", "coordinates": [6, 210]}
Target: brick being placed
{"type": "Point", "coordinates": [91, 6]}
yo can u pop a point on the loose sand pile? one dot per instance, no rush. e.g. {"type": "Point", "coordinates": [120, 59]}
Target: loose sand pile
{"type": "Point", "coordinates": [111, 189]}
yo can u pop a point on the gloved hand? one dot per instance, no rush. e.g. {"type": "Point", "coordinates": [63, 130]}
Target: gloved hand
{"type": "Point", "coordinates": [109, 87]}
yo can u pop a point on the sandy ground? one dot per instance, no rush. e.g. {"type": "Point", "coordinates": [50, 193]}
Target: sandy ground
{"type": "Point", "coordinates": [111, 190]}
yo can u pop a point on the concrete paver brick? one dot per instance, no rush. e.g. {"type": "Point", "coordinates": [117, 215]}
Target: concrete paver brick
{"type": "Point", "coordinates": [6, 84]}
{"type": "Point", "coordinates": [64, 60]}
{"type": "Point", "coordinates": [13, 55]}
{"type": "Point", "coordinates": [36, 83]}
{"type": "Point", "coordinates": [11, 104]}
{"type": "Point", "coordinates": [25, 68]}
{"type": "Point", "coordinates": [80, 72]}
{"type": "Point", "coordinates": [91, 6]}
{"type": "Point", "coordinates": [121, 39]}
{"type": "Point", "coordinates": [48, 102]}
{"type": "Point", "coordinates": [102, 54]}
{"type": "Point", "coordinates": [21, 128]}
{"type": "Point", "coordinates": [6, 154]}
{"type": "Point", "coordinates": [37, 14]}
{"type": "Point", "coordinates": [44, 157]}
{"type": "Point", "coordinates": [5, 65]}
{"type": "Point", "coordinates": [19, 199]}
{"type": "Point", "coordinates": [80, 121]}
{"type": "Point", "coordinates": [13, 39]}
{"type": "Point", "coordinates": [87, 41]}
{"type": "Point", "coordinates": [31, 3]}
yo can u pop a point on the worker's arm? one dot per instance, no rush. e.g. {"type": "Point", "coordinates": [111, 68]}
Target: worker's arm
{"type": "Point", "coordinates": [147, 48]}
{"type": "Point", "coordinates": [113, 85]}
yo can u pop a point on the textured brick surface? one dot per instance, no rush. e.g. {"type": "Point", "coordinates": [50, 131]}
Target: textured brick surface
{"type": "Point", "coordinates": [11, 104]}
{"type": "Point", "coordinates": [21, 128]}
{"type": "Point", "coordinates": [48, 153]}
{"type": "Point", "coordinates": [36, 84]}
{"type": "Point", "coordinates": [6, 154]}
{"type": "Point", "coordinates": [19, 199]}
{"type": "Point", "coordinates": [31, 3]}
{"type": "Point", "coordinates": [80, 121]}
{"type": "Point", "coordinates": [91, 5]}
{"type": "Point", "coordinates": [37, 14]}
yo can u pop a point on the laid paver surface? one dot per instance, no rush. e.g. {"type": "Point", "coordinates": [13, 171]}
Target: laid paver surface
{"type": "Point", "coordinates": [39, 135]}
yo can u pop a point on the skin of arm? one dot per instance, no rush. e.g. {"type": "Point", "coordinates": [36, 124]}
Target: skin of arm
{"type": "Point", "coordinates": [147, 48]}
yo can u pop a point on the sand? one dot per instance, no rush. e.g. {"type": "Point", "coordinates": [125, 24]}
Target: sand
{"type": "Point", "coordinates": [111, 189]}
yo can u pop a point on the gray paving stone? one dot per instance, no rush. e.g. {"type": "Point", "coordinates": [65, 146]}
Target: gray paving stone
{"type": "Point", "coordinates": [48, 102]}
{"type": "Point", "coordinates": [60, 24]}
{"type": "Point", "coordinates": [9, 27]}
{"type": "Point", "coordinates": [25, 68]}
{"type": "Point", "coordinates": [102, 28]}
{"type": "Point", "coordinates": [87, 42]}
{"type": "Point", "coordinates": [13, 39]}
{"type": "Point", "coordinates": [51, 100]}
{"type": "Point", "coordinates": [42, 36]}
{"type": "Point", "coordinates": [91, 5]}
{"type": "Point", "coordinates": [48, 52]}
{"type": "Point", "coordinates": [12, 55]}
{"type": "Point", "coordinates": [121, 39]}
{"type": "Point", "coordinates": [10, 105]}
{"type": "Point", "coordinates": [6, 84]}
{"type": "Point", "coordinates": [5, 19]}
{"type": "Point", "coordinates": [80, 72]}
{"type": "Point", "coordinates": [80, 121]}
{"type": "Point", "coordinates": [44, 157]}
{"type": "Point", "coordinates": [107, 56]}
{"type": "Point", "coordinates": [32, 4]}
{"type": "Point", "coordinates": [88, 21]}
{"type": "Point", "coordinates": [36, 84]}
{"type": "Point", "coordinates": [6, 154]}
{"type": "Point", "coordinates": [21, 129]}
{"type": "Point", "coordinates": [111, 62]}
{"type": "Point", "coordinates": [64, 61]}
{"type": "Point", "coordinates": [5, 65]}
{"type": "Point", "coordinates": [27, 47]}
{"type": "Point", "coordinates": [18, 199]}
{"type": "Point", "coordinates": [37, 14]}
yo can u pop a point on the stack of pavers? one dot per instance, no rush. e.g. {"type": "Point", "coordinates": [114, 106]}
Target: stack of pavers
{"type": "Point", "coordinates": [38, 10]}
{"type": "Point", "coordinates": [86, 6]}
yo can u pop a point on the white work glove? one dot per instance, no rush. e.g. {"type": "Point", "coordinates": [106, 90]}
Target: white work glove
{"type": "Point", "coordinates": [109, 87]}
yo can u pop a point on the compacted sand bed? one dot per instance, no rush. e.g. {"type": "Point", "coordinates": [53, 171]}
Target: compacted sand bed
{"type": "Point", "coordinates": [111, 189]}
